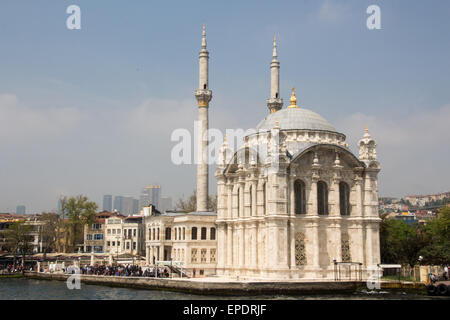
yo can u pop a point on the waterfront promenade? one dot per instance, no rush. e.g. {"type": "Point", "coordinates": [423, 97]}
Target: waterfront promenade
{"type": "Point", "coordinates": [227, 286]}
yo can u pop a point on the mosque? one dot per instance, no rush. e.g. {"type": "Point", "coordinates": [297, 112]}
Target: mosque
{"type": "Point", "coordinates": [293, 201]}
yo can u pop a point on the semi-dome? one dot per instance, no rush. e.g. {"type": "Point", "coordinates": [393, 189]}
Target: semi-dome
{"type": "Point", "coordinates": [295, 118]}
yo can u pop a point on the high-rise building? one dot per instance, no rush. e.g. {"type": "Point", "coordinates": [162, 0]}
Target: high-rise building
{"type": "Point", "coordinates": [127, 206]}
{"type": "Point", "coordinates": [136, 206]}
{"type": "Point", "coordinates": [166, 204]}
{"type": "Point", "coordinates": [107, 202]}
{"type": "Point", "coordinates": [118, 203]}
{"type": "Point", "coordinates": [20, 210]}
{"type": "Point", "coordinates": [150, 195]}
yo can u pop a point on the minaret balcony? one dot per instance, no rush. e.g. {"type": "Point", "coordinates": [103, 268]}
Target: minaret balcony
{"type": "Point", "coordinates": [203, 96]}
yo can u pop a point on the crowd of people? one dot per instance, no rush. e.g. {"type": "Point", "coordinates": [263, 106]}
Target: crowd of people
{"type": "Point", "coordinates": [127, 270]}
{"type": "Point", "coordinates": [443, 277]}
{"type": "Point", "coordinates": [11, 268]}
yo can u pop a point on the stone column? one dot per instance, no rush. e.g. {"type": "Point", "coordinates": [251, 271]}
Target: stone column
{"type": "Point", "coordinates": [292, 196]}
{"type": "Point", "coordinates": [235, 208]}
{"type": "Point", "coordinates": [315, 221]}
{"type": "Point", "coordinates": [312, 201]}
{"type": "Point", "coordinates": [253, 248]}
{"type": "Point", "coordinates": [241, 246]}
{"type": "Point", "coordinates": [254, 211]}
{"type": "Point", "coordinates": [221, 246]}
{"type": "Point", "coordinates": [338, 241]}
{"type": "Point", "coordinates": [359, 211]}
{"type": "Point", "coordinates": [260, 198]}
{"type": "Point", "coordinates": [247, 200]}
{"type": "Point", "coordinates": [369, 244]}
{"type": "Point", "coordinates": [292, 244]}
{"type": "Point", "coordinates": [229, 246]}
{"type": "Point", "coordinates": [229, 201]}
{"type": "Point", "coordinates": [334, 196]}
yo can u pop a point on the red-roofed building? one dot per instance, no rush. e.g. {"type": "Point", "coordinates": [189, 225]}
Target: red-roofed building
{"type": "Point", "coordinates": [94, 234]}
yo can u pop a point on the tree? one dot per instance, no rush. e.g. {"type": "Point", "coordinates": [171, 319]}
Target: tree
{"type": "Point", "coordinates": [49, 232]}
{"type": "Point", "coordinates": [18, 238]}
{"type": "Point", "coordinates": [437, 238]}
{"type": "Point", "coordinates": [399, 242]}
{"type": "Point", "coordinates": [190, 205]}
{"type": "Point", "coordinates": [402, 243]}
{"type": "Point", "coordinates": [80, 212]}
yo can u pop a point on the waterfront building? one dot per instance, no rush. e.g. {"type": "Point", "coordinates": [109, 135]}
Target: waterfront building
{"type": "Point", "coordinates": [186, 239]}
{"type": "Point", "coordinates": [113, 234]}
{"type": "Point", "coordinates": [6, 219]}
{"type": "Point", "coordinates": [94, 234]}
{"type": "Point", "coordinates": [133, 235]}
{"type": "Point", "coordinates": [294, 199]}
{"type": "Point", "coordinates": [107, 203]}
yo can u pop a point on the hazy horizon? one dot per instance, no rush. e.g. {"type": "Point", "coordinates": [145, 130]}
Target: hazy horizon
{"type": "Point", "coordinates": [91, 111]}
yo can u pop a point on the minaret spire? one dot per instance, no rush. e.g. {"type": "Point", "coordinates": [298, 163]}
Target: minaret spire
{"type": "Point", "coordinates": [204, 37]}
{"type": "Point", "coordinates": [203, 96]}
{"type": "Point", "coordinates": [274, 103]}
{"type": "Point", "coordinates": [275, 55]}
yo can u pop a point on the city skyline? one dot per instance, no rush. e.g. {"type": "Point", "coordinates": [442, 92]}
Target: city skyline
{"type": "Point", "coordinates": [119, 99]}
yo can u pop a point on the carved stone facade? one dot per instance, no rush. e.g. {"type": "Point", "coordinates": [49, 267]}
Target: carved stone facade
{"type": "Point", "coordinates": [294, 198]}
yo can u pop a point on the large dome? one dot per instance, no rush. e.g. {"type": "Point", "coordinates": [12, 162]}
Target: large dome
{"type": "Point", "coordinates": [295, 118]}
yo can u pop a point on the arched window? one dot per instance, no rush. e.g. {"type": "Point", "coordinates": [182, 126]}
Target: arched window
{"type": "Point", "coordinates": [212, 234]}
{"type": "Point", "coordinates": [203, 233]}
{"type": "Point", "coordinates": [168, 233]}
{"type": "Point", "coordinates": [194, 233]}
{"type": "Point", "coordinates": [322, 197]}
{"type": "Point", "coordinates": [300, 197]}
{"type": "Point", "coordinates": [344, 198]}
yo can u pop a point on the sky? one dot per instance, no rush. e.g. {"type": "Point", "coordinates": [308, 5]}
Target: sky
{"type": "Point", "coordinates": [91, 111]}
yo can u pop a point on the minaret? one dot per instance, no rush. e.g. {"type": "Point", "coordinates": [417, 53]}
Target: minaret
{"type": "Point", "coordinates": [203, 96]}
{"type": "Point", "coordinates": [274, 103]}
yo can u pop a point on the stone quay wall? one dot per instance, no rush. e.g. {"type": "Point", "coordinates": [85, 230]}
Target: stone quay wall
{"type": "Point", "coordinates": [211, 287]}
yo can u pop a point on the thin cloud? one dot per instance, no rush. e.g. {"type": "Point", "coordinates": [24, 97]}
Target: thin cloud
{"type": "Point", "coordinates": [410, 148]}
{"type": "Point", "coordinates": [331, 11]}
{"type": "Point", "coordinates": [20, 123]}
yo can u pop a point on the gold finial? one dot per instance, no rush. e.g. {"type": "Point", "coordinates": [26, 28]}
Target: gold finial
{"type": "Point", "coordinates": [293, 99]}
{"type": "Point", "coordinates": [225, 138]}
{"type": "Point", "coordinates": [367, 129]}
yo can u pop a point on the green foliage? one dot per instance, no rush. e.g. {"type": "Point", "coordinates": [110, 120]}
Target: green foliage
{"type": "Point", "coordinates": [18, 238]}
{"type": "Point", "coordinates": [49, 231]}
{"type": "Point", "coordinates": [79, 212]}
{"type": "Point", "coordinates": [437, 238]}
{"type": "Point", "coordinates": [402, 243]}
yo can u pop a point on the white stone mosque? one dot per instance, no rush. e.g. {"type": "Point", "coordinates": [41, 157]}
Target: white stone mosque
{"type": "Point", "coordinates": [293, 200]}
